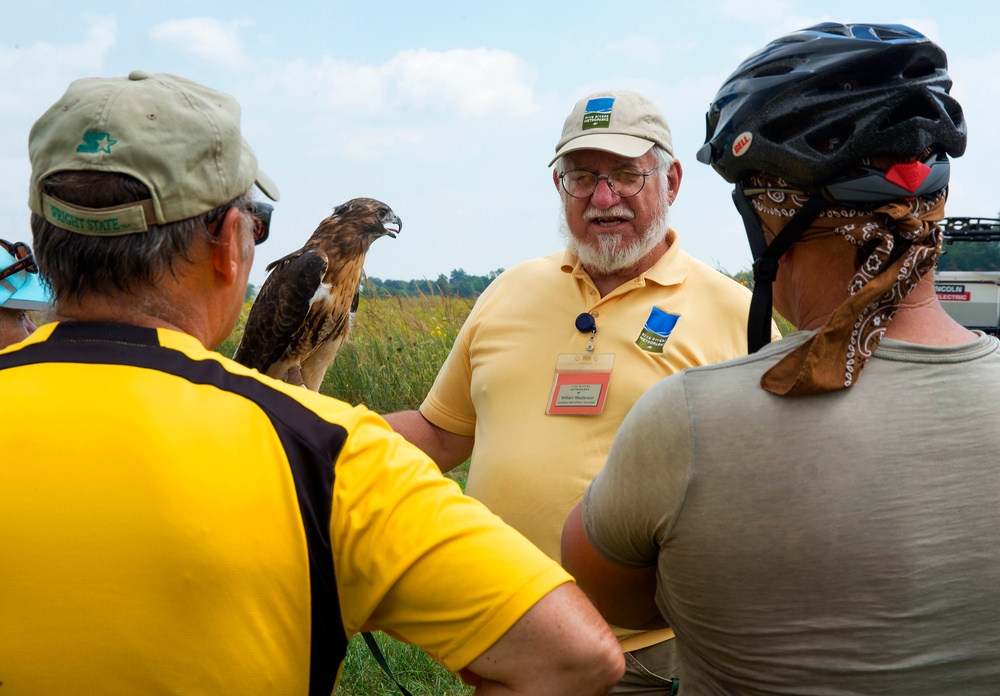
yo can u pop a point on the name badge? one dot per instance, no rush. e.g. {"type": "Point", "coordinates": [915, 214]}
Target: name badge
{"type": "Point", "coordinates": [581, 383]}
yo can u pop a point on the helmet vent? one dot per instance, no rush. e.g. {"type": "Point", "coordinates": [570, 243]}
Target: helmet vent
{"type": "Point", "coordinates": [889, 32]}
{"type": "Point", "coordinates": [781, 129]}
{"type": "Point", "coordinates": [774, 69]}
{"type": "Point", "coordinates": [923, 67]}
{"type": "Point", "coordinates": [916, 106]}
{"type": "Point", "coordinates": [793, 38]}
{"type": "Point", "coordinates": [832, 137]}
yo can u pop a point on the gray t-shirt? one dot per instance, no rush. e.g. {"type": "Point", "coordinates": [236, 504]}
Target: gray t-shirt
{"type": "Point", "coordinates": [843, 543]}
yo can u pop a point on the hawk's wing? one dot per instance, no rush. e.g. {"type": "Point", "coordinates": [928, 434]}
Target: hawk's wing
{"type": "Point", "coordinates": [280, 308]}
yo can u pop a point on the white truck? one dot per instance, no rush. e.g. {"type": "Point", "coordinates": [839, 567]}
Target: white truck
{"type": "Point", "coordinates": [970, 295]}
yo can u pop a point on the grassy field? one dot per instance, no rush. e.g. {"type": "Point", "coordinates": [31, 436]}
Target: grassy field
{"type": "Point", "coordinates": [388, 363]}
{"type": "Point", "coordinates": [411, 666]}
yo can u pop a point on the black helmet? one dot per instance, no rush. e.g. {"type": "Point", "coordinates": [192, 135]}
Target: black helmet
{"type": "Point", "coordinates": [811, 105]}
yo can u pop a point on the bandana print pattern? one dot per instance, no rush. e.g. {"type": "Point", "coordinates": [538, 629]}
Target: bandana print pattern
{"type": "Point", "coordinates": [898, 243]}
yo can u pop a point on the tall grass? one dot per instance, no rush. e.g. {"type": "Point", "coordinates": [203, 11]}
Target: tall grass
{"type": "Point", "coordinates": [396, 346]}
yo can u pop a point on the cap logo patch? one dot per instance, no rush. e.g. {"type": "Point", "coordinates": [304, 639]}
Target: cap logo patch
{"type": "Point", "coordinates": [95, 141]}
{"type": "Point", "coordinates": [742, 144]}
{"type": "Point", "coordinates": [598, 113]}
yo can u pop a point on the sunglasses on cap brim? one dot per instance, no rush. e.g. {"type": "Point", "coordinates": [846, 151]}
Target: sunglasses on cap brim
{"type": "Point", "coordinates": [23, 259]}
{"type": "Point", "coordinates": [261, 213]}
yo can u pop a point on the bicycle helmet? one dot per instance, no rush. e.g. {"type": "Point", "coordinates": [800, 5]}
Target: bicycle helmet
{"type": "Point", "coordinates": [813, 108]}
{"type": "Point", "coordinates": [20, 288]}
{"type": "Point", "coordinates": [810, 106]}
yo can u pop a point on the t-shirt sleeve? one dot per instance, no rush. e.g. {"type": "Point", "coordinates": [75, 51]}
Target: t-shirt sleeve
{"type": "Point", "coordinates": [418, 559]}
{"type": "Point", "coordinates": [448, 404]}
{"type": "Point", "coordinates": [630, 507]}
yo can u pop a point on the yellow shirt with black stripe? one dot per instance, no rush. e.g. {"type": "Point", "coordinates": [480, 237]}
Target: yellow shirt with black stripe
{"type": "Point", "coordinates": [173, 522]}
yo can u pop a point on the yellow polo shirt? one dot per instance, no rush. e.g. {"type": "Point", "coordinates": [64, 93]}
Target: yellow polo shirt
{"type": "Point", "coordinates": [532, 468]}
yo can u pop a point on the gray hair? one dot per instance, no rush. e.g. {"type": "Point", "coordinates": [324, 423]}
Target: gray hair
{"type": "Point", "coordinates": [663, 161]}
{"type": "Point", "coordinates": [74, 264]}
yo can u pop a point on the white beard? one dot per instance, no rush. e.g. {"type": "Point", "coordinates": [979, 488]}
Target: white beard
{"type": "Point", "coordinates": [606, 258]}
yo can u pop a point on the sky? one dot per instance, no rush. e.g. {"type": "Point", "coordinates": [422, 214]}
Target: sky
{"type": "Point", "coordinates": [450, 111]}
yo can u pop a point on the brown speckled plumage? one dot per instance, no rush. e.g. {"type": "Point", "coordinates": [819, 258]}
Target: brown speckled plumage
{"type": "Point", "coordinates": [302, 313]}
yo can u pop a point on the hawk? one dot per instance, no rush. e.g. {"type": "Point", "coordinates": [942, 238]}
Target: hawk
{"type": "Point", "coordinates": [303, 311]}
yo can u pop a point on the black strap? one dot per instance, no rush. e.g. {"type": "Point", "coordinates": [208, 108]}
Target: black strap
{"type": "Point", "coordinates": [376, 652]}
{"type": "Point", "coordinates": [765, 265]}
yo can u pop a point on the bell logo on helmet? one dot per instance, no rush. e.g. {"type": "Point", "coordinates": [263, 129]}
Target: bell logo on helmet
{"type": "Point", "coordinates": [742, 144]}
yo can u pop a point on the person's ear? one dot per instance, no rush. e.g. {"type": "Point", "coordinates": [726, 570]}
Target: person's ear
{"type": "Point", "coordinates": [674, 179]}
{"type": "Point", "coordinates": [227, 249]}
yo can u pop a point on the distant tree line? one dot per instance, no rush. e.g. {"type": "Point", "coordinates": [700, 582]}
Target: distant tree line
{"type": "Point", "coordinates": [458, 284]}
{"type": "Point", "coordinates": [972, 256]}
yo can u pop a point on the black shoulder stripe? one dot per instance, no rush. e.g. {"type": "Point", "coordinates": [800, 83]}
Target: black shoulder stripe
{"type": "Point", "coordinates": [311, 444]}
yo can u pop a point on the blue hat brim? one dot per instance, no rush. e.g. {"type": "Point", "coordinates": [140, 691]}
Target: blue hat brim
{"type": "Point", "coordinates": [22, 290]}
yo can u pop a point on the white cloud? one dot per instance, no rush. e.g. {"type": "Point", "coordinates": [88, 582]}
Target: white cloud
{"type": "Point", "coordinates": [368, 146]}
{"type": "Point", "coordinates": [211, 39]}
{"type": "Point", "coordinates": [644, 48]}
{"type": "Point", "coordinates": [477, 82]}
{"type": "Point", "coordinates": [31, 72]}
{"type": "Point", "coordinates": [777, 15]}
{"type": "Point", "coordinates": [416, 104]}
{"type": "Point", "coordinates": [330, 83]}
{"type": "Point", "coordinates": [36, 76]}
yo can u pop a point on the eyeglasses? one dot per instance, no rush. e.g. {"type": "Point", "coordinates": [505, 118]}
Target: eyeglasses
{"type": "Point", "coordinates": [261, 213]}
{"type": "Point", "coordinates": [625, 182]}
{"type": "Point", "coordinates": [23, 259]}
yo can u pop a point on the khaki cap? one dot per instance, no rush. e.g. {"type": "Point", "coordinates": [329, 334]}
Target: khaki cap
{"type": "Point", "coordinates": [624, 123]}
{"type": "Point", "coordinates": [181, 139]}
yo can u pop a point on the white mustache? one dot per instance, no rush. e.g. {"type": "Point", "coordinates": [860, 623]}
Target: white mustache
{"type": "Point", "coordinates": [615, 211]}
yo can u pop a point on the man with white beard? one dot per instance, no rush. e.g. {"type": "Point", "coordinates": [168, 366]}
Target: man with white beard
{"type": "Point", "coordinates": [557, 349]}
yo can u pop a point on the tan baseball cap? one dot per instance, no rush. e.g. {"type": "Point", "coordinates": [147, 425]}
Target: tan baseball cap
{"type": "Point", "coordinates": [622, 122]}
{"type": "Point", "coordinates": [178, 137]}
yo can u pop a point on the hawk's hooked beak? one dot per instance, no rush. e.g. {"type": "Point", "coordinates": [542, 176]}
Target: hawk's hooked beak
{"type": "Point", "coordinates": [393, 227]}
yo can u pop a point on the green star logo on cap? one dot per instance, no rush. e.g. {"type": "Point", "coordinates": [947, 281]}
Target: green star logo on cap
{"type": "Point", "coordinates": [95, 141]}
